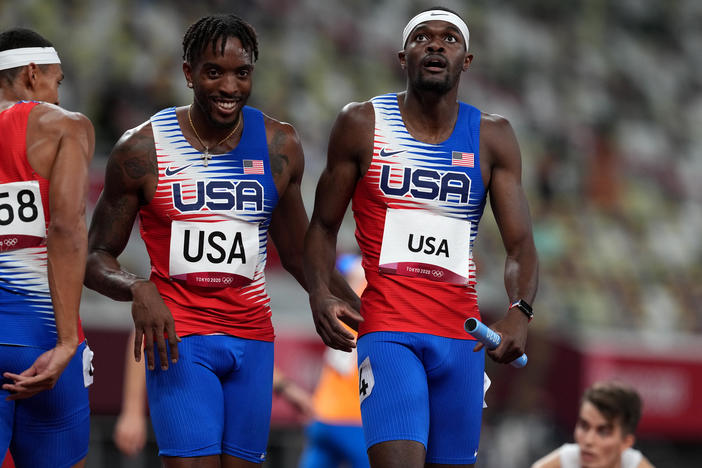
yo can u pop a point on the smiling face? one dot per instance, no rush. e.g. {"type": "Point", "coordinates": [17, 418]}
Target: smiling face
{"type": "Point", "coordinates": [221, 82]}
{"type": "Point", "coordinates": [601, 441]}
{"type": "Point", "coordinates": [434, 56]}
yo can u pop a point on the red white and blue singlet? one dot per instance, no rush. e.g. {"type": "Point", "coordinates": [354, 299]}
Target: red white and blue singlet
{"type": "Point", "coordinates": [206, 230]}
{"type": "Point", "coordinates": [26, 310]}
{"type": "Point", "coordinates": [417, 211]}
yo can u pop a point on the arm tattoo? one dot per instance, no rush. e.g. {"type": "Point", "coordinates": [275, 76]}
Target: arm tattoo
{"type": "Point", "coordinates": [121, 215]}
{"type": "Point", "coordinates": [138, 166]}
{"type": "Point", "coordinates": [277, 158]}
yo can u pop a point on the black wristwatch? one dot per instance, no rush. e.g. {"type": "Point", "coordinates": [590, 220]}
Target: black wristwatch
{"type": "Point", "coordinates": [524, 306]}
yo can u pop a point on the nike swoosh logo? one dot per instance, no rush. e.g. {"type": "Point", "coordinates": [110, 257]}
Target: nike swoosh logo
{"type": "Point", "coordinates": [385, 154]}
{"type": "Point", "coordinates": [171, 172]}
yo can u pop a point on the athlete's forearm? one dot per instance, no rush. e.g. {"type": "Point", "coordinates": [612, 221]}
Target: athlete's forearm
{"type": "Point", "coordinates": [134, 388]}
{"type": "Point", "coordinates": [66, 253]}
{"type": "Point", "coordinates": [67, 236]}
{"type": "Point", "coordinates": [105, 275]}
{"type": "Point", "coordinates": [522, 271]}
{"type": "Point", "coordinates": [320, 256]}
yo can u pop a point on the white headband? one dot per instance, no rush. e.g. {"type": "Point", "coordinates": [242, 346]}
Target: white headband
{"type": "Point", "coordinates": [25, 55]}
{"type": "Point", "coordinates": [435, 15]}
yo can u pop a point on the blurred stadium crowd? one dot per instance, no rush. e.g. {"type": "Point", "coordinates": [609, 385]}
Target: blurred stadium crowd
{"type": "Point", "coordinates": [605, 97]}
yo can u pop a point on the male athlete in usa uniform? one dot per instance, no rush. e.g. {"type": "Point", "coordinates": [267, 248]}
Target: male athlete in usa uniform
{"type": "Point", "coordinates": [45, 362]}
{"type": "Point", "coordinates": [418, 167]}
{"type": "Point", "coordinates": [209, 182]}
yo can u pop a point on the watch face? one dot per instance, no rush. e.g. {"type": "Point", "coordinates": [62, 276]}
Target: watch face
{"type": "Point", "coordinates": [524, 307]}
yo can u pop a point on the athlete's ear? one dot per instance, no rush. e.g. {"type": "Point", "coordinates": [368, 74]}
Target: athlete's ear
{"type": "Point", "coordinates": [403, 59]}
{"type": "Point", "coordinates": [32, 74]}
{"type": "Point", "coordinates": [188, 72]}
{"type": "Point", "coordinates": [467, 61]}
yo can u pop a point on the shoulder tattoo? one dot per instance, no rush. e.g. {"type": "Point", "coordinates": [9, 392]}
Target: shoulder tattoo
{"type": "Point", "coordinates": [278, 159]}
{"type": "Point", "coordinates": [140, 159]}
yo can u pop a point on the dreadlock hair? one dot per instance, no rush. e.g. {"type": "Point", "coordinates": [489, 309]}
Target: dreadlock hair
{"type": "Point", "coordinates": [209, 30]}
{"type": "Point", "coordinates": [17, 38]}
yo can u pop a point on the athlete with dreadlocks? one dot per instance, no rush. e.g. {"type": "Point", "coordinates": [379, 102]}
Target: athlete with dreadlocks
{"type": "Point", "coordinates": [209, 181]}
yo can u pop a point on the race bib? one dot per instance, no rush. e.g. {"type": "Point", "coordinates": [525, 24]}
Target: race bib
{"type": "Point", "coordinates": [214, 255]}
{"type": "Point", "coordinates": [424, 245]}
{"type": "Point", "coordinates": [366, 380]}
{"type": "Point", "coordinates": [88, 369]}
{"type": "Point", "coordinates": [22, 221]}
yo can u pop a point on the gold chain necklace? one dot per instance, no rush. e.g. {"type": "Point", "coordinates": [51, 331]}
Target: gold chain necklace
{"type": "Point", "coordinates": [206, 156]}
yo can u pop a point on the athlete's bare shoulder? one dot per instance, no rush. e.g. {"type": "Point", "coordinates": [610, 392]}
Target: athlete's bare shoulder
{"type": "Point", "coordinates": [498, 143]}
{"type": "Point", "coordinates": [358, 116]}
{"type": "Point", "coordinates": [51, 128]}
{"type": "Point", "coordinates": [284, 148]}
{"type": "Point", "coordinates": [50, 119]}
{"type": "Point", "coordinates": [552, 460]}
{"type": "Point", "coordinates": [492, 125]}
{"type": "Point", "coordinates": [351, 137]}
{"type": "Point", "coordinates": [133, 161]}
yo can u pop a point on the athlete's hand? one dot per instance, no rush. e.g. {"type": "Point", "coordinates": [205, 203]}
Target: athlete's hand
{"type": "Point", "coordinates": [42, 374]}
{"type": "Point", "coordinates": [328, 313]}
{"type": "Point", "coordinates": [130, 433]}
{"type": "Point", "coordinates": [152, 320]}
{"type": "Point", "coordinates": [512, 328]}
{"type": "Point", "coordinates": [299, 398]}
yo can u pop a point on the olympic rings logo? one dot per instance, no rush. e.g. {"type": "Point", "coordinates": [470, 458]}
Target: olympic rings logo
{"type": "Point", "coordinates": [11, 242]}
{"type": "Point", "coordinates": [437, 273]}
{"type": "Point", "coordinates": [227, 280]}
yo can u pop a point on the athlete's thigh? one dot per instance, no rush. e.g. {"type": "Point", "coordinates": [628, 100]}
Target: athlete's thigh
{"type": "Point", "coordinates": [248, 394]}
{"type": "Point", "coordinates": [456, 401]}
{"type": "Point", "coordinates": [186, 401]}
{"type": "Point", "coordinates": [52, 428]}
{"type": "Point", "coordinates": [392, 388]}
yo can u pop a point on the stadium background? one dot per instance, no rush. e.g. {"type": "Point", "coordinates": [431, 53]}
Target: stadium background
{"type": "Point", "coordinates": [606, 99]}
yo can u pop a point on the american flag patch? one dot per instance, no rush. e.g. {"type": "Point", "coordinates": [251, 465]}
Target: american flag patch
{"type": "Point", "coordinates": [462, 159]}
{"type": "Point", "coordinates": [253, 166]}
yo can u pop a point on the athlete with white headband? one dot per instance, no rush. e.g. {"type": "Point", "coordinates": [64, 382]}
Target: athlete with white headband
{"type": "Point", "coordinates": [436, 15]}
{"type": "Point", "coordinates": [25, 55]}
{"type": "Point", "coordinates": [418, 167]}
{"type": "Point", "coordinates": [45, 152]}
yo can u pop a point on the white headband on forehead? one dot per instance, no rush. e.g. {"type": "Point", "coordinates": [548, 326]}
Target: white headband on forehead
{"type": "Point", "coordinates": [25, 55]}
{"type": "Point", "coordinates": [435, 15]}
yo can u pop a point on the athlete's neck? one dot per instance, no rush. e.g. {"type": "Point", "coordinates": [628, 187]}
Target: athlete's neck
{"type": "Point", "coordinates": [429, 117]}
{"type": "Point", "coordinates": [10, 95]}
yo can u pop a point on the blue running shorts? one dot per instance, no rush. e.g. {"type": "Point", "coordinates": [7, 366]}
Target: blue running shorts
{"type": "Point", "coordinates": [216, 399]}
{"type": "Point", "coordinates": [52, 428]}
{"type": "Point", "coordinates": [421, 387]}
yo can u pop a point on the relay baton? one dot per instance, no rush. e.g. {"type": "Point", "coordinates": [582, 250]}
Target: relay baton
{"type": "Point", "coordinates": [489, 338]}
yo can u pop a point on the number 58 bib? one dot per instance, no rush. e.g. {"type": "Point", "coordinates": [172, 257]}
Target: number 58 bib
{"type": "Point", "coordinates": [21, 215]}
{"type": "Point", "coordinates": [425, 245]}
{"type": "Point", "coordinates": [214, 254]}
